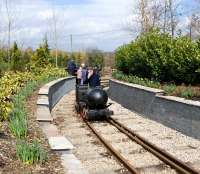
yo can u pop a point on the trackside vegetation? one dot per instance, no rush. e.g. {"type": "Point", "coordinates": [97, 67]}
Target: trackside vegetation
{"type": "Point", "coordinates": [30, 153]}
{"type": "Point", "coordinates": [17, 83]}
{"type": "Point", "coordinates": [159, 57]}
{"type": "Point", "coordinates": [184, 91]}
{"type": "Point", "coordinates": [16, 114]}
{"type": "Point", "coordinates": [157, 60]}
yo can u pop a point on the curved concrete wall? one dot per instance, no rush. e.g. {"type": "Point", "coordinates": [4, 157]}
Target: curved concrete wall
{"type": "Point", "coordinates": [175, 112]}
{"type": "Point", "coordinates": [50, 94]}
{"type": "Point", "coordinates": [58, 90]}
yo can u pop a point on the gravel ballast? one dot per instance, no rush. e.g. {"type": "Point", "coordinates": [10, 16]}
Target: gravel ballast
{"type": "Point", "coordinates": [185, 148]}
{"type": "Point", "coordinates": [95, 158]}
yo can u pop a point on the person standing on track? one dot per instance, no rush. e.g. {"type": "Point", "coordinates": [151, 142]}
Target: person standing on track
{"type": "Point", "coordinates": [90, 72]}
{"type": "Point", "coordinates": [71, 67]}
{"type": "Point", "coordinates": [79, 75]}
{"type": "Point", "coordinates": [94, 80]}
{"type": "Point", "coordinates": [84, 79]}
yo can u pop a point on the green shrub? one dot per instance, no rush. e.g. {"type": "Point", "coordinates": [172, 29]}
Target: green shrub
{"type": "Point", "coordinates": [121, 56]}
{"type": "Point", "coordinates": [159, 57]}
{"type": "Point", "coordinates": [95, 58]}
{"type": "Point", "coordinates": [30, 153]}
{"type": "Point", "coordinates": [169, 88]}
{"type": "Point", "coordinates": [15, 88]}
{"type": "Point", "coordinates": [12, 82]}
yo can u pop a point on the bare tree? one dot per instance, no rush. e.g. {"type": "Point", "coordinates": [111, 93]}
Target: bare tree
{"type": "Point", "coordinates": [165, 16]}
{"type": "Point", "coordinates": [10, 16]}
{"type": "Point", "coordinates": [155, 13]}
{"type": "Point", "coordinates": [144, 19]}
{"type": "Point", "coordinates": [9, 20]}
{"type": "Point", "coordinates": [150, 14]}
{"type": "Point", "coordinates": [55, 32]}
{"type": "Point", "coordinates": [172, 17]}
{"type": "Point", "coordinates": [54, 19]}
{"type": "Point", "coordinates": [1, 23]}
{"type": "Point", "coordinates": [194, 26]}
{"type": "Point", "coordinates": [194, 23]}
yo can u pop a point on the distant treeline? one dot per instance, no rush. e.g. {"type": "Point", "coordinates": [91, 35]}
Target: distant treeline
{"type": "Point", "coordinates": [16, 59]}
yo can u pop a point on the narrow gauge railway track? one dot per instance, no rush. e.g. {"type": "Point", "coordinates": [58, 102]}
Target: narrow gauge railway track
{"type": "Point", "coordinates": [167, 158]}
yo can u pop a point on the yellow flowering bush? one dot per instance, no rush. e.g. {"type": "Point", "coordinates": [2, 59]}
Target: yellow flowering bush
{"type": "Point", "coordinates": [12, 82]}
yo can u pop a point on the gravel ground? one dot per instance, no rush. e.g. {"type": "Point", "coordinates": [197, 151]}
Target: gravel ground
{"type": "Point", "coordinates": [96, 159]}
{"type": "Point", "coordinates": [144, 161]}
{"type": "Point", "coordinates": [88, 149]}
{"type": "Point", "coordinates": [181, 146]}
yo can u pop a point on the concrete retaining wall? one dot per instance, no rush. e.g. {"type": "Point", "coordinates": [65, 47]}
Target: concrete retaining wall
{"type": "Point", "coordinates": [56, 89]}
{"type": "Point", "coordinates": [50, 94]}
{"type": "Point", "coordinates": [175, 112]}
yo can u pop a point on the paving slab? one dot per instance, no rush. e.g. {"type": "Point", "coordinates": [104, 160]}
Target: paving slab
{"type": "Point", "coordinates": [43, 114]}
{"type": "Point", "coordinates": [60, 143]}
{"type": "Point", "coordinates": [44, 90]}
{"type": "Point", "coordinates": [43, 100]}
{"type": "Point", "coordinates": [50, 130]}
{"type": "Point", "coordinates": [71, 164]}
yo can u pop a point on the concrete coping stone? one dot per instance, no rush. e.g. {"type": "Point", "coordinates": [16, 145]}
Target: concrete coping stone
{"type": "Point", "coordinates": [43, 114]}
{"type": "Point", "coordinates": [43, 100]}
{"type": "Point", "coordinates": [72, 164]}
{"type": "Point", "coordinates": [60, 143]}
{"type": "Point", "coordinates": [45, 89]}
{"type": "Point", "coordinates": [148, 89]}
{"type": "Point", "coordinates": [56, 141]}
{"type": "Point", "coordinates": [159, 93]}
{"type": "Point", "coordinates": [180, 100]}
{"type": "Point", "coordinates": [49, 129]}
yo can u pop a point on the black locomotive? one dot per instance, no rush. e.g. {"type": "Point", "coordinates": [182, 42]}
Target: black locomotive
{"type": "Point", "coordinates": [91, 103]}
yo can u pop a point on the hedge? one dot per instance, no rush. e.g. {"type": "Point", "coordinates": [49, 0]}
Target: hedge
{"type": "Point", "coordinates": [158, 56]}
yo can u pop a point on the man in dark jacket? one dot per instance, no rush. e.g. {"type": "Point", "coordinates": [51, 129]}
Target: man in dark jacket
{"type": "Point", "coordinates": [94, 79]}
{"type": "Point", "coordinates": [71, 67]}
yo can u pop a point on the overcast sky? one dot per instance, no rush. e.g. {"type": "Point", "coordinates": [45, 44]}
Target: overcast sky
{"type": "Point", "coordinates": [86, 20]}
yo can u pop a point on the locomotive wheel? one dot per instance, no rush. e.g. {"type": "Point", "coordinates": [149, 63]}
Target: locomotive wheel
{"type": "Point", "coordinates": [83, 113]}
{"type": "Point", "coordinates": [77, 107]}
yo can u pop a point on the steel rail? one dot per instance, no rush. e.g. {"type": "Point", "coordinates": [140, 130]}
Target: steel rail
{"type": "Point", "coordinates": [130, 167]}
{"type": "Point", "coordinates": [161, 154]}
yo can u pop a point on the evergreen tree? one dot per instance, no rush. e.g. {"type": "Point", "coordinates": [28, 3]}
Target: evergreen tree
{"type": "Point", "coordinates": [17, 62]}
{"type": "Point", "coordinates": [95, 58]}
{"type": "Point", "coordinates": [43, 54]}
{"type": "Point", "coordinates": [46, 46]}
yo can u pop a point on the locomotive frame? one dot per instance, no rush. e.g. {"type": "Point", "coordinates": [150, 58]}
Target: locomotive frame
{"type": "Point", "coordinates": [83, 106]}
